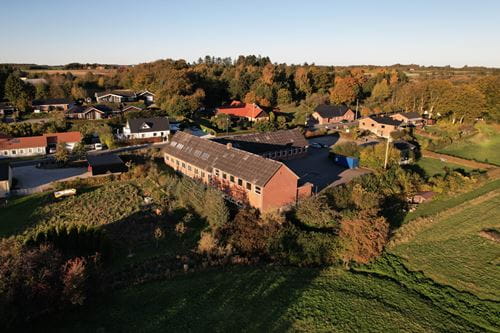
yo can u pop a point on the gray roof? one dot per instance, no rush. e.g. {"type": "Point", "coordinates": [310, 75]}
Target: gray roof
{"type": "Point", "coordinates": [259, 143]}
{"type": "Point", "coordinates": [119, 92]}
{"type": "Point", "coordinates": [411, 115]}
{"type": "Point", "coordinates": [386, 120]}
{"type": "Point", "coordinates": [103, 159]}
{"type": "Point", "coordinates": [209, 155]}
{"type": "Point", "coordinates": [51, 101]}
{"type": "Point", "coordinates": [154, 124]}
{"type": "Point", "coordinates": [331, 111]}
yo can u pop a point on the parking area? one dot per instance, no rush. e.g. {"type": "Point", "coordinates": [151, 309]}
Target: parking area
{"type": "Point", "coordinates": [319, 170]}
{"type": "Point", "coordinates": [30, 176]}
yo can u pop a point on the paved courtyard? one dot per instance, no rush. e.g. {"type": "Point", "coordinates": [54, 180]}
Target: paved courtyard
{"type": "Point", "coordinates": [30, 176]}
{"type": "Point", "coordinates": [321, 171]}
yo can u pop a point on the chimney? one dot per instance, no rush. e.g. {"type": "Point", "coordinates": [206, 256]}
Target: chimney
{"type": "Point", "coordinates": [229, 145]}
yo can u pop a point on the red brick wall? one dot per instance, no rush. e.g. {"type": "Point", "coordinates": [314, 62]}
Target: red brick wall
{"type": "Point", "coordinates": [281, 190]}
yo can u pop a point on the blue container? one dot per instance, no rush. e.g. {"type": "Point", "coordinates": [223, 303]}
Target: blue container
{"type": "Point", "coordinates": [346, 161]}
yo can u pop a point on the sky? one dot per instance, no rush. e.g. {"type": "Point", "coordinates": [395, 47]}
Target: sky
{"type": "Point", "coordinates": [378, 32]}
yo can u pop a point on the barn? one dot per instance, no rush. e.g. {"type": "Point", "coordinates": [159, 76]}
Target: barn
{"type": "Point", "coordinates": [100, 164]}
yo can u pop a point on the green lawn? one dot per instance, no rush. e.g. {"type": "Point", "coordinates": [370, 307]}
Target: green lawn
{"type": "Point", "coordinates": [450, 250]}
{"type": "Point", "coordinates": [483, 147]}
{"type": "Point", "coordinates": [433, 166]}
{"type": "Point", "coordinates": [19, 214]}
{"type": "Point", "coordinates": [265, 299]}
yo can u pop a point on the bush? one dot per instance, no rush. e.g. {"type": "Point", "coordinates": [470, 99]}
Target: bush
{"type": "Point", "coordinates": [347, 149]}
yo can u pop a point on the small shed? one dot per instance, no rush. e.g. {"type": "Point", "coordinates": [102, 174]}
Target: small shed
{"type": "Point", "coordinates": [346, 161]}
{"type": "Point", "coordinates": [421, 197]}
{"type": "Point", "coordinates": [100, 164]}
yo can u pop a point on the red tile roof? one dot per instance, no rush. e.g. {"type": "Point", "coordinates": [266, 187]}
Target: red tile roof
{"type": "Point", "coordinates": [27, 142]}
{"type": "Point", "coordinates": [39, 141]}
{"type": "Point", "coordinates": [65, 136]}
{"type": "Point", "coordinates": [239, 109]}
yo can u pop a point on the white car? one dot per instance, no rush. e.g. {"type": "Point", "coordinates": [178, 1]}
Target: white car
{"type": "Point", "coordinates": [98, 146]}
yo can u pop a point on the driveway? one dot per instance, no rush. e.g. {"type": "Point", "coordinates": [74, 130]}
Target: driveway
{"type": "Point", "coordinates": [319, 170]}
{"type": "Point", "coordinates": [30, 176]}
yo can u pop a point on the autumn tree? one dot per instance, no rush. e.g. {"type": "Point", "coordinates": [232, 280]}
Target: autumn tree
{"type": "Point", "coordinates": [363, 238]}
{"type": "Point", "coordinates": [345, 91]}
{"type": "Point", "coordinates": [62, 154]}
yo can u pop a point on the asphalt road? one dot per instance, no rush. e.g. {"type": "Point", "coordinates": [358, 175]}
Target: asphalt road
{"type": "Point", "coordinates": [30, 176]}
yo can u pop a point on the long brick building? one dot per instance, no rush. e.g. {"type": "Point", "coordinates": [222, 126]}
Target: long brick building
{"type": "Point", "coordinates": [277, 145]}
{"type": "Point", "coordinates": [246, 177]}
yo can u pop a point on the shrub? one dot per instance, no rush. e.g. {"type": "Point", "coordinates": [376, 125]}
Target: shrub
{"type": "Point", "coordinates": [363, 238]}
{"type": "Point", "coordinates": [314, 212]}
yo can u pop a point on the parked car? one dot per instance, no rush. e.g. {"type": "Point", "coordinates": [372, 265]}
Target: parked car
{"type": "Point", "coordinates": [316, 145]}
{"type": "Point", "coordinates": [98, 146]}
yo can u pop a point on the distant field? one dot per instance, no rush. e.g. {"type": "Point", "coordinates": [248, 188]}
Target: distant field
{"type": "Point", "coordinates": [434, 166]}
{"type": "Point", "coordinates": [75, 72]}
{"type": "Point", "coordinates": [254, 299]}
{"type": "Point", "coordinates": [483, 147]}
{"type": "Point", "coordinates": [450, 248]}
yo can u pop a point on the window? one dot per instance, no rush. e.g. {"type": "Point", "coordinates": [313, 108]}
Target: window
{"type": "Point", "coordinates": [154, 134]}
{"type": "Point", "coordinates": [161, 133]}
{"type": "Point", "coordinates": [13, 152]}
{"type": "Point", "coordinates": [224, 176]}
{"type": "Point", "coordinates": [290, 152]}
{"type": "Point", "coordinates": [363, 123]}
{"type": "Point", "coordinates": [383, 126]}
{"type": "Point", "coordinates": [189, 167]}
{"type": "Point", "coordinates": [373, 125]}
{"type": "Point", "coordinates": [21, 151]}
{"type": "Point", "coordinates": [257, 189]}
{"type": "Point", "coordinates": [249, 186]}
{"type": "Point", "coordinates": [231, 178]}
{"type": "Point", "coordinates": [167, 158]}
{"type": "Point", "coordinates": [142, 135]}
{"type": "Point", "coordinates": [177, 162]}
{"type": "Point", "coordinates": [240, 182]}
{"type": "Point", "coordinates": [183, 165]}
{"type": "Point", "coordinates": [5, 152]}
{"type": "Point", "coordinates": [202, 174]}
{"type": "Point", "coordinates": [196, 170]}
{"type": "Point", "coordinates": [30, 150]}
{"type": "Point", "coordinates": [217, 172]}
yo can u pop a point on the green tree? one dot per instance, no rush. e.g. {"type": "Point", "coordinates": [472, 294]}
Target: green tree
{"type": "Point", "coordinates": [62, 154]}
{"type": "Point", "coordinates": [381, 92]}
{"type": "Point", "coordinates": [19, 93]}
{"type": "Point", "coordinates": [222, 121]}
{"type": "Point", "coordinates": [215, 209]}
{"type": "Point", "coordinates": [284, 97]}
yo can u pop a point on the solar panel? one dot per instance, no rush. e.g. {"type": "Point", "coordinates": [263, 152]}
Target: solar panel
{"type": "Point", "coordinates": [179, 146]}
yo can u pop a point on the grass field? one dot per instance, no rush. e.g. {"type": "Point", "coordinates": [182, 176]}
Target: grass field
{"type": "Point", "coordinates": [75, 72]}
{"type": "Point", "coordinates": [434, 166]}
{"type": "Point", "coordinates": [483, 147]}
{"type": "Point", "coordinates": [19, 214]}
{"type": "Point", "coordinates": [438, 205]}
{"type": "Point", "coordinates": [449, 248]}
{"type": "Point", "coordinates": [261, 300]}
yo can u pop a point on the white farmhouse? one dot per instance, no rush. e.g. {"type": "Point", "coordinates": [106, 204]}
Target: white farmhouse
{"type": "Point", "coordinates": [147, 128]}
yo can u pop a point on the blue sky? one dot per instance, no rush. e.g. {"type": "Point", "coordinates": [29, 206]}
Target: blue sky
{"type": "Point", "coordinates": [324, 32]}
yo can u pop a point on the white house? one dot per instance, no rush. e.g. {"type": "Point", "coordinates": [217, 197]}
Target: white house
{"type": "Point", "coordinates": [116, 96]}
{"type": "Point", "coordinates": [147, 96]}
{"type": "Point", "coordinates": [37, 145]}
{"type": "Point", "coordinates": [146, 128]}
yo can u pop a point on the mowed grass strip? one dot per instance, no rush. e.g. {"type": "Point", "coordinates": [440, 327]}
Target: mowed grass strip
{"type": "Point", "coordinates": [264, 299]}
{"type": "Point", "coordinates": [449, 247]}
{"type": "Point", "coordinates": [434, 166]}
{"type": "Point", "coordinates": [435, 206]}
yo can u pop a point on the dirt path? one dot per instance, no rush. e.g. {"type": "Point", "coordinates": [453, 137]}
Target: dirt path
{"type": "Point", "coordinates": [492, 170]}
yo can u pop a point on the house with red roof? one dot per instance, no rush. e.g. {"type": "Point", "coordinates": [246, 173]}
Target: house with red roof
{"type": "Point", "coordinates": [250, 111]}
{"type": "Point", "coordinates": [37, 145]}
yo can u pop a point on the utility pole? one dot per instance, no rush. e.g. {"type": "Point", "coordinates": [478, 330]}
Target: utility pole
{"type": "Point", "coordinates": [387, 152]}
{"type": "Point", "coordinates": [357, 104]}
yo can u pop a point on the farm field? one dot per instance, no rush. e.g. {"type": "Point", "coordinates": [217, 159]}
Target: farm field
{"type": "Point", "coordinates": [451, 247]}
{"type": "Point", "coordinates": [265, 299]}
{"type": "Point", "coordinates": [434, 166]}
{"type": "Point", "coordinates": [482, 147]}
{"type": "Point", "coordinates": [75, 72]}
